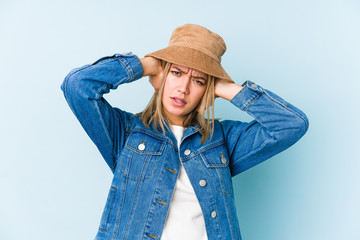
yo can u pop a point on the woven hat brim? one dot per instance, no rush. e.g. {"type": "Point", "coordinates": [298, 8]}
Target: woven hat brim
{"type": "Point", "coordinates": [191, 58]}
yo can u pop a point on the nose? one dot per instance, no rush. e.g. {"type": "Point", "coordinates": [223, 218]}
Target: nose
{"type": "Point", "coordinates": [184, 84]}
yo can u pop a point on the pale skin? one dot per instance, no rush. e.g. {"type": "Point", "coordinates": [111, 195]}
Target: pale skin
{"type": "Point", "coordinates": [184, 88]}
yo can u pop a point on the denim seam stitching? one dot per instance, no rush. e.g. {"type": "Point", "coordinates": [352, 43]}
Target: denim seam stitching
{"type": "Point", "coordinates": [112, 194]}
{"type": "Point", "coordinates": [131, 215]}
{"type": "Point", "coordinates": [147, 152]}
{"type": "Point", "coordinates": [228, 212]}
{"type": "Point", "coordinates": [213, 165]}
{"type": "Point", "coordinates": [200, 151]}
{"type": "Point", "coordinates": [118, 155]}
{"type": "Point", "coordinates": [141, 179]}
{"type": "Point", "coordinates": [286, 108]}
{"type": "Point", "coordinates": [153, 197]}
{"type": "Point", "coordinates": [151, 134]}
{"type": "Point", "coordinates": [129, 69]}
{"type": "Point", "coordinates": [222, 183]}
{"type": "Point", "coordinates": [118, 217]}
{"type": "Point", "coordinates": [210, 146]}
{"type": "Point", "coordinates": [248, 104]}
{"type": "Point", "coordinates": [252, 152]}
{"type": "Point", "coordinates": [106, 130]}
{"type": "Point", "coordinates": [213, 197]}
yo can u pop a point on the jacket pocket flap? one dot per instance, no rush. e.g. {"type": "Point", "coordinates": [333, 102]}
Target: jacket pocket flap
{"type": "Point", "coordinates": [216, 156]}
{"type": "Point", "coordinates": [144, 143]}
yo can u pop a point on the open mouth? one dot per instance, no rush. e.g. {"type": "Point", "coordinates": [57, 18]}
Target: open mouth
{"type": "Point", "coordinates": [178, 101]}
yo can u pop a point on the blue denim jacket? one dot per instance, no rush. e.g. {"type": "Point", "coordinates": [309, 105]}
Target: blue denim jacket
{"type": "Point", "coordinates": [145, 163]}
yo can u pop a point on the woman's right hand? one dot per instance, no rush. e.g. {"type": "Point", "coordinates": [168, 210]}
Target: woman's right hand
{"type": "Point", "coordinates": [152, 68]}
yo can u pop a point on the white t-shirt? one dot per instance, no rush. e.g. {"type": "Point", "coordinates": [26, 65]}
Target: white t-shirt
{"type": "Point", "coordinates": [185, 219]}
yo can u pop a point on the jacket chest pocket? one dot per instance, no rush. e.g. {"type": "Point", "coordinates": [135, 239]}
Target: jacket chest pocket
{"type": "Point", "coordinates": [140, 156]}
{"type": "Point", "coordinates": [217, 163]}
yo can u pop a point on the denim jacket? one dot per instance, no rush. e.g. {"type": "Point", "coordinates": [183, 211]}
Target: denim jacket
{"type": "Point", "coordinates": [145, 162]}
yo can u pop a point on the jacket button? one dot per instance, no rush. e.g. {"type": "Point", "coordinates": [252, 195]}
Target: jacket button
{"type": "Point", "coordinates": [254, 85]}
{"type": "Point", "coordinates": [202, 182]}
{"type": "Point", "coordinates": [213, 214]}
{"type": "Point", "coordinates": [223, 160]}
{"type": "Point", "coordinates": [187, 152]}
{"type": "Point", "coordinates": [141, 147]}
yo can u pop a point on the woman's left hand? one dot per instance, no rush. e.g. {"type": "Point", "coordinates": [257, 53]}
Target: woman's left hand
{"type": "Point", "coordinates": [226, 90]}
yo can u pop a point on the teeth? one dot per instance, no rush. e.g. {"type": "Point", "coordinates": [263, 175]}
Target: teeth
{"type": "Point", "coordinates": [177, 100]}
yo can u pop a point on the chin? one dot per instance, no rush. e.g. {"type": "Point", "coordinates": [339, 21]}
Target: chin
{"type": "Point", "coordinates": [177, 114]}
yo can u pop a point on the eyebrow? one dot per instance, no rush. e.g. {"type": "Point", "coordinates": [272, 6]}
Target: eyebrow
{"type": "Point", "coordinates": [196, 77]}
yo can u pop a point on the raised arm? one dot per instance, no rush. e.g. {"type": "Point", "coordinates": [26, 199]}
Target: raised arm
{"type": "Point", "coordinates": [277, 125]}
{"type": "Point", "coordinates": [84, 88]}
{"type": "Point", "coordinates": [152, 68]}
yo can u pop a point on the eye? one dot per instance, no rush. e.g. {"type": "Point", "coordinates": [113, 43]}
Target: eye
{"type": "Point", "coordinates": [176, 73]}
{"type": "Point", "coordinates": [199, 82]}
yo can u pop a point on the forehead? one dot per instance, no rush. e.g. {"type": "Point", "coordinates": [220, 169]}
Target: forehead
{"type": "Point", "coordinates": [186, 70]}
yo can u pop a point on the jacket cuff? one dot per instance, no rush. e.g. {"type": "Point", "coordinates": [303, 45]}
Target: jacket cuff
{"type": "Point", "coordinates": [247, 95]}
{"type": "Point", "coordinates": [132, 63]}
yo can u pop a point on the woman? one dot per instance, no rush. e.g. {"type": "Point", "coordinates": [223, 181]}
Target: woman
{"type": "Point", "coordinates": [172, 166]}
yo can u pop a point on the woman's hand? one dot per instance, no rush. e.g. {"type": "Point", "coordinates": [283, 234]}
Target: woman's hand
{"type": "Point", "coordinates": [152, 68]}
{"type": "Point", "coordinates": [226, 90]}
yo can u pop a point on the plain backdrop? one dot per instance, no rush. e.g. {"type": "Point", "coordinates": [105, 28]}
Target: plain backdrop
{"type": "Point", "coordinates": [53, 181]}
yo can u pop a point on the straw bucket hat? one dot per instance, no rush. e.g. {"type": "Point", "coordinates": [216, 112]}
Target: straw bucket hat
{"type": "Point", "coordinates": [196, 47]}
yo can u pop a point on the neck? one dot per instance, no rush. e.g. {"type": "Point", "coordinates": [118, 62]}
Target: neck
{"type": "Point", "coordinates": [175, 120]}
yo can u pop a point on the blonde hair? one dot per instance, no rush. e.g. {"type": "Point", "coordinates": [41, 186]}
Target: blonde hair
{"type": "Point", "coordinates": [154, 111]}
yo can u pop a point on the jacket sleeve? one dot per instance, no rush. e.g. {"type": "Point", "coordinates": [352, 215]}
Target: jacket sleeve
{"type": "Point", "coordinates": [83, 90]}
{"type": "Point", "coordinates": [277, 126]}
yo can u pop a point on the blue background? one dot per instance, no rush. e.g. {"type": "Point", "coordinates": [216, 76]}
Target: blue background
{"type": "Point", "coordinates": [53, 181]}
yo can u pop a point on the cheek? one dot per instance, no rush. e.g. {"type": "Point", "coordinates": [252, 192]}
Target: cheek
{"type": "Point", "coordinates": [165, 90]}
{"type": "Point", "coordinates": [199, 95]}
{"type": "Point", "coordinates": [167, 86]}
